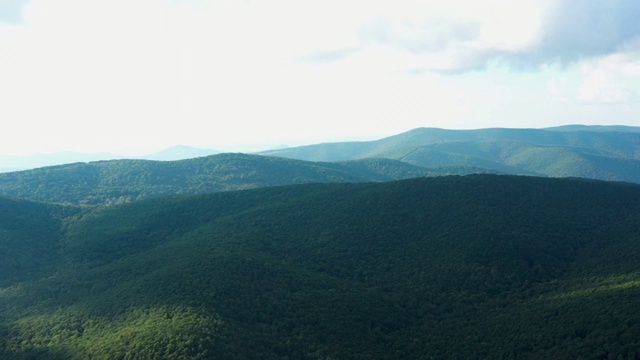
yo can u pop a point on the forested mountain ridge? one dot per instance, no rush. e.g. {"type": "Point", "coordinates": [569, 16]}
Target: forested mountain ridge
{"type": "Point", "coordinates": [117, 181]}
{"type": "Point", "coordinates": [605, 128]}
{"type": "Point", "coordinates": [600, 152]}
{"type": "Point", "coordinates": [457, 267]}
{"type": "Point", "coordinates": [605, 152]}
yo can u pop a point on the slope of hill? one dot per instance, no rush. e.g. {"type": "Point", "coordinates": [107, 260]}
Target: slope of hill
{"type": "Point", "coordinates": [514, 157]}
{"type": "Point", "coordinates": [30, 238]}
{"type": "Point", "coordinates": [118, 181]}
{"type": "Point", "coordinates": [605, 153]}
{"type": "Point", "coordinates": [479, 266]}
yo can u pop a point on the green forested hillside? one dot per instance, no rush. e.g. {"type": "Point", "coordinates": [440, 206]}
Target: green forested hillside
{"type": "Point", "coordinates": [513, 157]}
{"type": "Point", "coordinates": [599, 152]}
{"type": "Point", "coordinates": [118, 181]}
{"type": "Point", "coordinates": [30, 238]}
{"type": "Point", "coordinates": [457, 267]}
{"type": "Point", "coordinates": [614, 140]}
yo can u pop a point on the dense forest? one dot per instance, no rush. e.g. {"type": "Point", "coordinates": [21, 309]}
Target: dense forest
{"type": "Point", "coordinates": [119, 181]}
{"type": "Point", "coordinates": [454, 267]}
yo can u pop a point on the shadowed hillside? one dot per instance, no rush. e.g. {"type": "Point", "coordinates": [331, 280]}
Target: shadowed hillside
{"type": "Point", "coordinates": [479, 266]}
{"type": "Point", "coordinates": [30, 238]}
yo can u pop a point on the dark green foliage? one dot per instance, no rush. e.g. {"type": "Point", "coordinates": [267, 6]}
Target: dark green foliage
{"type": "Point", "coordinates": [30, 235]}
{"type": "Point", "coordinates": [119, 181]}
{"type": "Point", "coordinates": [480, 266]}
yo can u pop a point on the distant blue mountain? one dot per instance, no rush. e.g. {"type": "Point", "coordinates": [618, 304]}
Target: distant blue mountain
{"type": "Point", "coordinates": [597, 152]}
{"type": "Point", "coordinates": [604, 128]}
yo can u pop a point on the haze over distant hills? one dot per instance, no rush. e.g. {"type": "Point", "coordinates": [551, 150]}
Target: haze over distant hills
{"type": "Point", "coordinates": [597, 152]}
{"type": "Point", "coordinates": [412, 139]}
{"type": "Point", "coordinates": [17, 163]}
{"type": "Point", "coordinates": [179, 152]}
{"type": "Point", "coordinates": [607, 128]}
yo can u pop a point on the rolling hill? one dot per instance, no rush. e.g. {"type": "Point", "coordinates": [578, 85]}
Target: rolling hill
{"type": "Point", "coordinates": [599, 152]}
{"type": "Point", "coordinates": [117, 181]}
{"type": "Point", "coordinates": [456, 267]}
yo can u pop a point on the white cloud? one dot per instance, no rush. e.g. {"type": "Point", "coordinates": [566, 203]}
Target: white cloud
{"type": "Point", "coordinates": [457, 35]}
{"type": "Point", "coordinates": [611, 79]}
{"type": "Point", "coordinates": [139, 75]}
{"type": "Point", "coordinates": [558, 88]}
{"type": "Point", "coordinates": [601, 88]}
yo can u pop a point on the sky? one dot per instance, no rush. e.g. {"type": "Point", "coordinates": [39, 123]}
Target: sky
{"type": "Point", "coordinates": [137, 76]}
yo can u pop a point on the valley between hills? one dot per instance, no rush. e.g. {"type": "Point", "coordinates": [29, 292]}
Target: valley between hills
{"type": "Point", "coordinates": [432, 244]}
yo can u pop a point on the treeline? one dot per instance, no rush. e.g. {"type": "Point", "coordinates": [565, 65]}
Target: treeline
{"type": "Point", "coordinates": [120, 181]}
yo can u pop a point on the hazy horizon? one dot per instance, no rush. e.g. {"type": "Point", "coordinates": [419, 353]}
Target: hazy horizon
{"type": "Point", "coordinates": [249, 148]}
{"type": "Point", "coordinates": [137, 77]}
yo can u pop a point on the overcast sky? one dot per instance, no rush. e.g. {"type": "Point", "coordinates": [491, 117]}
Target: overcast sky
{"type": "Point", "coordinates": [136, 76]}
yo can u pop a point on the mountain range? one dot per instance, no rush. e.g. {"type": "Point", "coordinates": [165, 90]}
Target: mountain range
{"type": "Point", "coordinates": [116, 181]}
{"type": "Point", "coordinates": [597, 152]}
{"type": "Point", "coordinates": [423, 245]}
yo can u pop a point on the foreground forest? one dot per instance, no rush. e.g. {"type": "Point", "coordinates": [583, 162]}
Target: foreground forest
{"type": "Point", "coordinates": [454, 267]}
